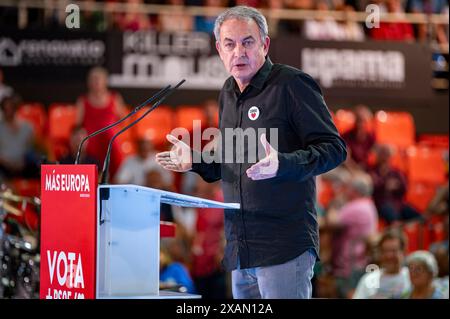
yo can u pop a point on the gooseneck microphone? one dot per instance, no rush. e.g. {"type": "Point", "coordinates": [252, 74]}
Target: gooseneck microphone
{"type": "Point", "coordinates": [134, 111]}
{"type": "Point", "coordinates": [104, 179]}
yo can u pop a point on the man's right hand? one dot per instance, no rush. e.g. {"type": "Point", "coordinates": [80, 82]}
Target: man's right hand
{"type": "Point", "coordinates": [178, 159]}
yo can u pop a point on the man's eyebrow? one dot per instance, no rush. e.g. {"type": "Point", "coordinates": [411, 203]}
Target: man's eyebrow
{"type": "Point", "coordinates": [246, 38]}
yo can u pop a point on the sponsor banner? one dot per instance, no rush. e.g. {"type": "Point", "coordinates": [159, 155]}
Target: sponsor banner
{"type": "Point", "coordinates": [44, 57]}
{"type": "Point", "coordinates": [43, 49]}
{"type": "Point", "coordinates": [151, 60]}
{"type": "Point", "coordinates": [68, 231]}
{"type": "Point", "coordinates": [361, 69]}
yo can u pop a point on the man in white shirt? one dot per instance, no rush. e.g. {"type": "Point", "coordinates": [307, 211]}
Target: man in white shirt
{"type": "Point", "coordinates": [134, 168]}
{"type": "Point", "coordinates": [391, 281]}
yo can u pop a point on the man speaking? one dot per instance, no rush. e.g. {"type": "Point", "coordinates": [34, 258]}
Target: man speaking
{"type": "Point", "coordinates": [273, 240]}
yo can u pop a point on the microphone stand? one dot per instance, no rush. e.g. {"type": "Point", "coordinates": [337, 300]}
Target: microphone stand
{"type": "Point", "coordinates": [104, 179]}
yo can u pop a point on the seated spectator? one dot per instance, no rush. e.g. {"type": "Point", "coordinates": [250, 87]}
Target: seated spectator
{"type": "Point", "coordinates": [92, 20]}
{"type": "Point", "coordinates": [381, 4]}
{"type": "Point", "coordinates": [436, 32]}
{"type": "Point", "coordinates": [133, 19]}
{"type": "Point", "coordinates": [327, 28]}
{"type": "Point", "coordinates": [17, 156]}
{"type": "Point", "coordinates": [440, 252]}
{"type": "Point", "coordinates": [173, 275]}
{"type": "Point", "coordinates": [360, 139]}
{"type": "Point", "coordinates": [323, 28]}
{"type": "Point", "coordinates": [132, 169]}
{"type": "Point", "coordinates": [353, 225]}
{"type": "Point", "coordinates": [439, 205]}
{"type": "Point", "coordinates": [339, 178]}
{"type": "Point", "coordinates": [390, 188]}
{"type": "Point", "coordinates": [208, 243]}
{"type": "Point", "coordinates": [391, 280]}
{"type": "Point", "coordinates": [206, 23]}
{"type": "Point", "coordinates": [423, 269]}
{"type": "Point", "coordinates": [350, 29]}
{"type": "Point", "coordinates": [156, 177]}
{"type": "Point", "coordinates": [394, 31]}
{"type": "Point", "coordinates": [76, 136]}
{"type": "Point", "coordinates": [174, 19]}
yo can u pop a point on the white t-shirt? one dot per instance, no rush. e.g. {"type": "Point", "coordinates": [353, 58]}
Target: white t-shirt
{"type": "Point", "coordinates": [379, 285]}
{"type": "Point", "coordinates": [134, 168]}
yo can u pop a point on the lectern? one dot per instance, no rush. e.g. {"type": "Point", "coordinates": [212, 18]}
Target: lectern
{"type": "Point", "coordinates": [102, 241]}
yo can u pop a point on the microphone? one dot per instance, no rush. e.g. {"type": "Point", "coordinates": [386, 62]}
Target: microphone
{"type": "Point", "coordinates": [134, 111]}
{"type": "Point", "coordinates": [108, 153]}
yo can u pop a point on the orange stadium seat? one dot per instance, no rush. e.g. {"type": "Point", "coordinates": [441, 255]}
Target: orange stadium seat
{"type": "Point", "coordinates": [426, 164]}
{"type": "Point", "coordinates": [399, 159]}
{"type": "Point", "coordinates": [62, 119]}
{"type": "Point", "coordinates": [395, 128]}
{"type": "Point", "coordinates": [434, 140]}
{"type": "Point", "coordinates": [326, 193]}
{"type": "Point", "coordinates": [186, 114]}
{"type": "Point", "coordinates": [155, 126]}
{"type": "Point", "coordinates": [420, 194]}
{"type": "Point", "coordinates": [126, 140]}
{"type": "Point", "coordinates": [35, 114]}
{"type": "Point", "coordinates": [437, 232]}
{"type": "Point", "coordinates": [412, 232]}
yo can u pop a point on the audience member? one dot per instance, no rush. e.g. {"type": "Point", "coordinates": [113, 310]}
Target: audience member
{"type": "Point", "coordinates": [390, 188]}
{"type": "Point", "coordinates": [423, 269]}
{"type": "Point", "coordinates": [173, 275]}
{"type": "Point", "coordinates": [207, 245]}
{"type": "Point", "coordinates": [134, 19]}
{"type": "Point", "coordinates": [17, 157]}
{"type": "Point", "coordinates": [77, 135]}
{"type": "Point", "coordinates": [360, 139]}
{"type": "Point", "coordinates": [401, 30]}
{"type": "Point", "coordinates": [353, 225]}
{"type": "Point", "coordinates": [174, 19]}
{"type": "Point", "coordinates": [98, 108]}
{"type": "Point", "coordinates": [391, 279]}
{"type": "Point", "coordinates": [132, 169]}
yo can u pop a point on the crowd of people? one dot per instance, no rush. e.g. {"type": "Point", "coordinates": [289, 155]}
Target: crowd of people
{"type": "Point", "coordinates": [323, 27]}
{"type": "Point", "coordinates": [363, 250]}
{"type": "Point", "coordinates": [363, 225]}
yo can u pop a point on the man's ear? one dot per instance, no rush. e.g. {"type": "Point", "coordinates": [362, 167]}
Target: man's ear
{"type": "Point", "coordinates": [266, 45]}
{"type": "Point", "coordinates": [218, 46]}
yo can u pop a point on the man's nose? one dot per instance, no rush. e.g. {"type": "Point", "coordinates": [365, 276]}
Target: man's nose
{"type": "Point", "coordinates": [239, 50]}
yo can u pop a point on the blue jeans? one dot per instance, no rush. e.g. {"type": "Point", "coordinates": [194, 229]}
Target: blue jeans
{"type": "Point", "coordinates": [291, 280]}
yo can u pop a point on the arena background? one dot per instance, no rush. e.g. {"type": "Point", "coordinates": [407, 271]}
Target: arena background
{"type": "Point", "coordinates": [403, 80]}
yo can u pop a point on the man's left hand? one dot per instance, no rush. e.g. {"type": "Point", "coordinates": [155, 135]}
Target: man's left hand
{"type": "Point", "coordinates": [268, 166]}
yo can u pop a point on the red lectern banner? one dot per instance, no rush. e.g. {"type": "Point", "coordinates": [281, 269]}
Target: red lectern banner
{"type": "Point", "coordinates": [68, 231]}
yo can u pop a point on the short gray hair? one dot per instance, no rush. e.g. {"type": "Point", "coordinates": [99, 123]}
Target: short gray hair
{"type": "Point", "coordinates": [362, 183]}
{"type": "Point", "coordinates": [426, 258]}
{"type": "Point", "coordinates": [242, 13]}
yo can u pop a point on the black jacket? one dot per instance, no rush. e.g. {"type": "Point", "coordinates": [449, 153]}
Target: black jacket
{"type": "Point", "coordinates": [277, 220]}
